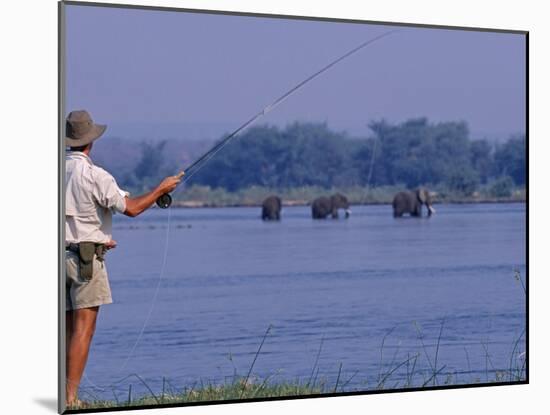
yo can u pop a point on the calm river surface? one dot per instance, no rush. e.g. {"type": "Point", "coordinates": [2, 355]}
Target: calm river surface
{"type": "Point", "coordinates": [340, 287]}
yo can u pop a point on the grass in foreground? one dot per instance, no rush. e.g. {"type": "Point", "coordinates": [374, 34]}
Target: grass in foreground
{"type": "Point", "coordinates": [243, 388]}
{"type": "Point", "coordinates": [260, 389]}
{"type": "Point", "coordinates": [208, 393]}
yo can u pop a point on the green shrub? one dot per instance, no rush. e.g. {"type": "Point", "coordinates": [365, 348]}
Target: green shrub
{"type": "Point", "coordinates": [501, 187]}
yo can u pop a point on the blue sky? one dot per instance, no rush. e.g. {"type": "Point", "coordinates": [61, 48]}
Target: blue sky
{"type": "Point", "coordinates": [187, 75]}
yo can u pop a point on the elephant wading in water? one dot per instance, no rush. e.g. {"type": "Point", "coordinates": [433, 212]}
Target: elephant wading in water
{"type": "Point", "coordinates": [324, 206]}
{"type": "Point", "coordinates": [411, 202]}
{"type": "Point", "coordinates": [271, 208]}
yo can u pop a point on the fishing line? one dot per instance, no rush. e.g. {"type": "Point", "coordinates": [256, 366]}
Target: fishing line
{"type": "Point", "coordinates": [165, 200]}
{"type": "Point", "coordinates": [149, 313]}
{"type": "Point", "coordinates": [155, 295]}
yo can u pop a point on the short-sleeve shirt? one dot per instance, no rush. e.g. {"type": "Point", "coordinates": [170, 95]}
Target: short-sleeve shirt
{"type": "Point", "coordinates": [92, 196]}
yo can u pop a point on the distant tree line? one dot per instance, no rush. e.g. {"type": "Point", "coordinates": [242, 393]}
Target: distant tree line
{"type": "Point", "coordinates": [409, 154]}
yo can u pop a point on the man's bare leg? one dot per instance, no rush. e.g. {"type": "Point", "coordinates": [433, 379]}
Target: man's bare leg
{"type": "Point", "coordinates": [79, 337]}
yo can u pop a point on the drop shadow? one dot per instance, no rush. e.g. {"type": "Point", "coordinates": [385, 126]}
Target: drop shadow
{"type": "Point", "coordinates": [48, 403]}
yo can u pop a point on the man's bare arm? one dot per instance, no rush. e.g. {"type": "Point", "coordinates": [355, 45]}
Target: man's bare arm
{"type": "Point", "coordinates": [139, 204]}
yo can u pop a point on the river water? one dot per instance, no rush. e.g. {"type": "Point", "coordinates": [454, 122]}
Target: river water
{"type": "Point", "coordinates": [364, 294]}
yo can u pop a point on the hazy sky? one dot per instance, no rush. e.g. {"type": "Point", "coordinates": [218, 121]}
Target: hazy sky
{"type": "Point", "coordinates": [209, 72]}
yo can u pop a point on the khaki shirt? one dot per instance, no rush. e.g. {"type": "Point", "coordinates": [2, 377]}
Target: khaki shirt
{"type": "Point", "coordinates": [92, 196]}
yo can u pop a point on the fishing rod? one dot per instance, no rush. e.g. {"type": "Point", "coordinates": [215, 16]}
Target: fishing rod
{"type": "Point", "coordinates": [165, 200]}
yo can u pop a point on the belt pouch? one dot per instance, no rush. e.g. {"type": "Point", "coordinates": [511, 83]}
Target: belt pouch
{"type": "Point", "coordinates": [86, 254]}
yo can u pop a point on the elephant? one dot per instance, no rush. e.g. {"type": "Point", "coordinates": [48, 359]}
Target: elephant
{"type": "Point", "coordinates": [324, 206]}
{"type": "Point", "coordinates": [411, 202]}
{"type": "Point", "coordinates": [271, 208]}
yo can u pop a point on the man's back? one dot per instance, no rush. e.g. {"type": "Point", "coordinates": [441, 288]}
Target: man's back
{"type": "Point", "coordinates": [91, 196]}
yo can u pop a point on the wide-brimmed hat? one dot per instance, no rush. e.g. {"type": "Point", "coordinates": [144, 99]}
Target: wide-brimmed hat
{"type": "Point", "coordinates": [81, 130]}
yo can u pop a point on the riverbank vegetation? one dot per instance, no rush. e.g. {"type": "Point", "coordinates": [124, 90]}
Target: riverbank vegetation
{"type": "Point", "coordinates": [304, 160]}
{"type": "Point", "coordinates": [205, 196]}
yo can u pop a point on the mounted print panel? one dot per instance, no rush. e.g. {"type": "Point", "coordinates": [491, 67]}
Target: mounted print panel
{"type": "Point", "coordinates": [259, 207]}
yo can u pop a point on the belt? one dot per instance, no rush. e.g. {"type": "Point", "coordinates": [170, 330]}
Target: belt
{"type": "Point", "coordinates": [75, 247]}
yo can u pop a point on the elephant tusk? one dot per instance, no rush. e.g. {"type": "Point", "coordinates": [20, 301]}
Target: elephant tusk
{"type": "Point", "coordinates": [348, 212]}
{"type": "Point", "coordinates": [431, 209]}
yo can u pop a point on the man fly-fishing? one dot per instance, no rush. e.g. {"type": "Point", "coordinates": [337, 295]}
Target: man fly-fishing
{"type": "Point", "coordinates": [92, 196]}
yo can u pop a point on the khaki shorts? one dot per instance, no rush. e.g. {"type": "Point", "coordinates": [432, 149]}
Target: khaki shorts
{"type": "Point", "coordinates": [83, 293]}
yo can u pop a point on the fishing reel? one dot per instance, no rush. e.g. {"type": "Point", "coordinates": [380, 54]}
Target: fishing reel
{"type": "Point", "coordinates": [164, 201]}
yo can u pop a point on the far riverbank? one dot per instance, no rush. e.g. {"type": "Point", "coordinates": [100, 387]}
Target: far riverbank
{"type": "Point", "coordinates": [204, 196]}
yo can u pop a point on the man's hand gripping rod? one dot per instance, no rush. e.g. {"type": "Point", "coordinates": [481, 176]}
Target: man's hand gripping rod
{"type": "Point", "coordinates": [165, 200]}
